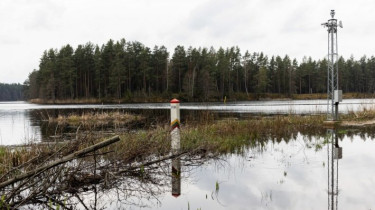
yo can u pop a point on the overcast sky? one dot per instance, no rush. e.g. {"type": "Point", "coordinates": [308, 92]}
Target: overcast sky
{"type": "Point", "coordinates": [275, 27]}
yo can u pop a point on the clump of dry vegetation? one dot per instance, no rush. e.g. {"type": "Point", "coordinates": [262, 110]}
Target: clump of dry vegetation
{"type": "Point", "coordinates": [365, 117]}
{"type": "Point", "coordinates": [41, 174]}
{"type": "Point", "coordinates": [97, 118]}
{"type": "Point", "coordinates": [66, 101]}
{"type": "Point", "coordinates": [364, 114]}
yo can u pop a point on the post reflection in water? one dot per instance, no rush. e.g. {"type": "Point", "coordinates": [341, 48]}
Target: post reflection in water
{"type": "Point", "coordinates": [334, 154]}
{"type": "Point", "coordinates": [176, 177]}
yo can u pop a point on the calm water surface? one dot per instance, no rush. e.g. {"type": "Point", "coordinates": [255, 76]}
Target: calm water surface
{"type": "Point", "coordinates": [20, 122]}
{"type": "Point", "coordinates": [297, 173]}
{"type": "Point", "coordinates": [293, 175]}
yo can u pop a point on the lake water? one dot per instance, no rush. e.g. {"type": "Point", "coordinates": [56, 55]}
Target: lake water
{"type": "Point", "coordinates": [301, 172]}
{"type": "Point", "coordinates": [293, 175]}
{"type": "Point", "coordinates": [21, 122]}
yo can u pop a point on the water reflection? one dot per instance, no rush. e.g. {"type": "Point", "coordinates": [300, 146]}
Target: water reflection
{"type": "Point", "coordinates": [288, 171]}
{"type": "Point", "coordinates": [21, 122]}
{"type": "Point", "coordinates": [334, 154]}
{"type": "Point", "coordinates": [176, 177]}
{"type": "Point", "coordinates": [301, 173]}
{"type": "Point", "coordinates": [17, 127]}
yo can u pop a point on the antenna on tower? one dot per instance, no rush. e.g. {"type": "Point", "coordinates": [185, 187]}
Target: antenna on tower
{"type": "Point", "coordinates": [332, 13]}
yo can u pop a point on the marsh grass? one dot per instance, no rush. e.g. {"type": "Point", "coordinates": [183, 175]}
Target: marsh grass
{"type": "Point", "coordinates": [138, 98]}
{"type": "Point", "coordinates": [364, 114]}
{"type": "Point", "coordinates": [232, 136]}
{"type": "Point", "coordinates": [211, 136]}
{"type": "Point", "coordinates": [66, 101]}
{"type": "Point", "coordinates": [97, 118]}
{"type": "Point", "coordinates": [15, 160]}
{"type": "Point", "coordinates": [220, 137]}
{"type": "Point", "coordinates": [136, 146]}
{"type": "Point", "coordinates": [199, 139]}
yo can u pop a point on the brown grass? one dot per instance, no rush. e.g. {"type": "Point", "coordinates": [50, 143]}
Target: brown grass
{"type": "Point", "coordinates": [66, 101]}
{"type": "Point", "coordinates": [100, 101]}
{"type": "Point", "coordinates": [102, 118]}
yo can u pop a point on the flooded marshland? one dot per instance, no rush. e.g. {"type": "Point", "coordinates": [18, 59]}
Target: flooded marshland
{"type": "Point", "coordinates": [22, 122]}
{"type": "Point", "coordinates": [291, 169]}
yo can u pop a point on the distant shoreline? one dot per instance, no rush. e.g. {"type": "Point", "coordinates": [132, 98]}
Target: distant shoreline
{"type": "Point", "coordinates": [152, 99]}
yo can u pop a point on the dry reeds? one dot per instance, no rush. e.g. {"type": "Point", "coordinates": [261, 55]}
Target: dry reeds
{"type": "Point", "coordinates": [98, 118]}
{"type": "Point", "coordinates": [66, 101]}
{"type": "Point", "coordinates": [364, 114]}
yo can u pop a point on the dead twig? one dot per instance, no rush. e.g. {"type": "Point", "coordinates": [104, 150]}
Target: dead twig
{"type": "Point", "coordinates": [65, 159]}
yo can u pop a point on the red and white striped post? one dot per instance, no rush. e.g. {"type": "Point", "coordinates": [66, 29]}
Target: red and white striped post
{"type": "Point", "coordinates": [175, 125]}
{"type": "Point", "coordinates": [175, 144]}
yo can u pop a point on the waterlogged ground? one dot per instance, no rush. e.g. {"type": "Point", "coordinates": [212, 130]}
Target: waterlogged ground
{"type": "Point", "coordinates": [291, 175]}
{"type": "Point", "coordinates": [22, 122]}
{"type": "Point", "coordinates": [301, 172]}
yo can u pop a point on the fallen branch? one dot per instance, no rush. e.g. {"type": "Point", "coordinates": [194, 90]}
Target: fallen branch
{"type": "Point", "coordinates": [65, 159]}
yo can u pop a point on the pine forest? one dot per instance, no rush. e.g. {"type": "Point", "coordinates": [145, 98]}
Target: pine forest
{"type": "Point", "coordinates": [127, 71]}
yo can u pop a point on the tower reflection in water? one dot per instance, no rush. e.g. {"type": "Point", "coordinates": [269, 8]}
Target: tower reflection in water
{"type": "Point", "coordinates": [334, 154]}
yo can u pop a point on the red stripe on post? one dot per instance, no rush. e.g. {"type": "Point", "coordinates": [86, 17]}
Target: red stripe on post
{"type": "Point", "coordinates": [175, 101]}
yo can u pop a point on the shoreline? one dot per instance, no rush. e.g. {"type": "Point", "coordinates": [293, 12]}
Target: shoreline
{"type": "Point", "coordinates": [153, 99]}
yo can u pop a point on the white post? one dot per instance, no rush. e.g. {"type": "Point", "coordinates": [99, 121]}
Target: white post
{"type": "Point", "coordinates": [175, 143]}
{"type": "Point", "coordinates": [175, 125]}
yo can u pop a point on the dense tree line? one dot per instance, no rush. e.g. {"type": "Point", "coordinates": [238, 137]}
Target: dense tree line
{"type": "Point", "coordinates": [11, 92]}
{"type": "Point", "coordinates": [124, 70]}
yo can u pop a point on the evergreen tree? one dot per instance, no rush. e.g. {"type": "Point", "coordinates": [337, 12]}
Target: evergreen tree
{"type": "Point", "coordinates": [122, 70]}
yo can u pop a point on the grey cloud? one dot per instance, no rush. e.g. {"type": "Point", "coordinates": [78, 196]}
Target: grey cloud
{"type": "Point", "coordinates": [8, 40]}
{"type": "Point", "coordinates": [45, 15]}
{"type": "Point", "coordinates": [220, 18]}
{"type": "Point", "coordinates": [275, 27]}
{"type": "Point", "coordinates": [302, 19]}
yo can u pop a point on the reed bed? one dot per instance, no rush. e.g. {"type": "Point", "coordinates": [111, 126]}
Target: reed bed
{"type": "Point", "coordinates": [213, 136]}
{"type": "Point", "coordinates": [97, 118]}
{"type": "Point", "coordinates": [66, 101]}
{"type": "Point", "coordinates": [364, 114]}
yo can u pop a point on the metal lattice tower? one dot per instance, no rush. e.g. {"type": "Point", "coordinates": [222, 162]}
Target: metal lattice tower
{"type": "Point", "coordinates": [334, 96]}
